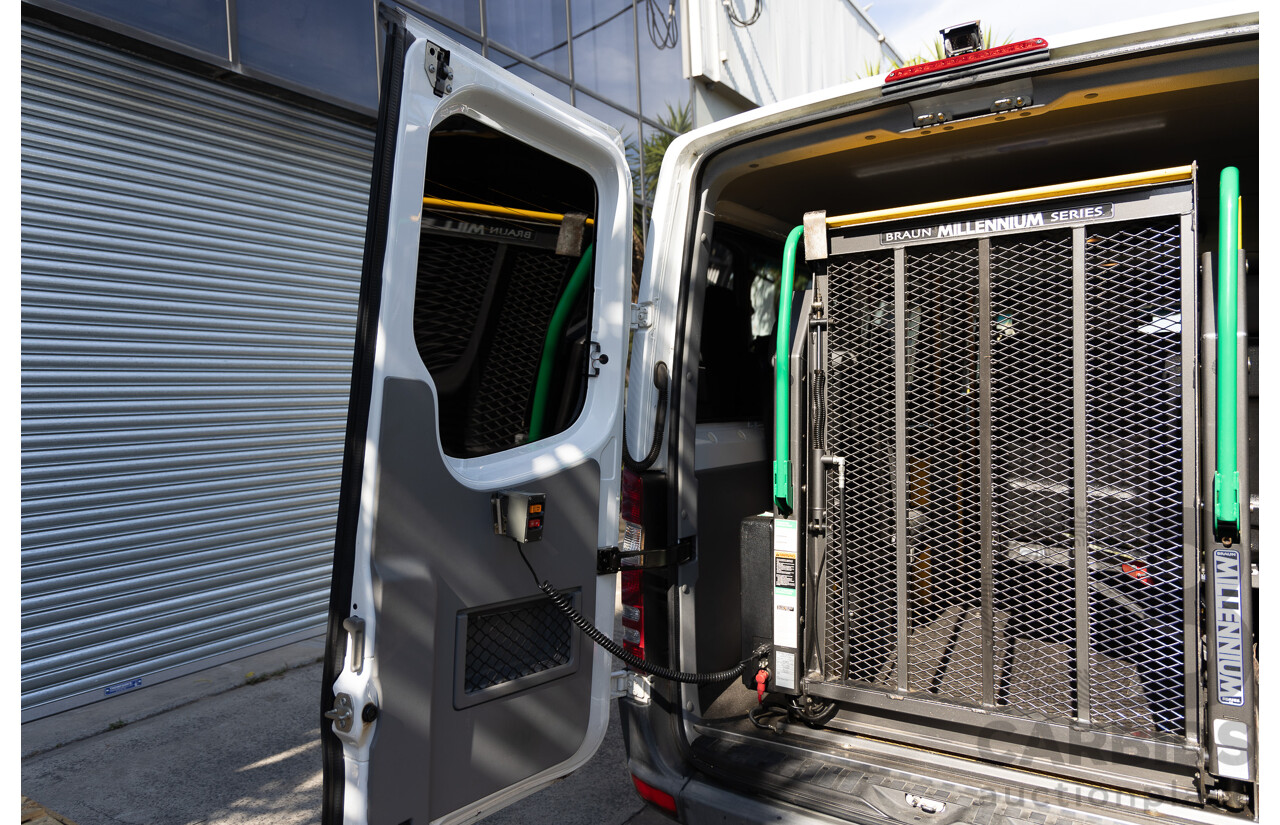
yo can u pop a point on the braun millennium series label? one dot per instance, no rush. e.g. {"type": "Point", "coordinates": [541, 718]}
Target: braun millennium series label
{"type": "Point", "coordinates": [1006, 223]}
{"type": "Point", "coordinates": [1228, 625]}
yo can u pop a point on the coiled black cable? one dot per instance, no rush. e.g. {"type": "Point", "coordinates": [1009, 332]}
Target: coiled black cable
{"type": "Point", "coordinates": [738, 21]}
{"type": "Point", "coordinates": [593, 633]}
{"type": "Point", "coordinates": [819, 410]}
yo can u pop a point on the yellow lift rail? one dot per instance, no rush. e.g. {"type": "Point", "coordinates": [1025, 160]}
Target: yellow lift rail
{"type": "Point", "coordinates": [492, 209]}
{"type": "Point", "coordinates": [1060, 190]}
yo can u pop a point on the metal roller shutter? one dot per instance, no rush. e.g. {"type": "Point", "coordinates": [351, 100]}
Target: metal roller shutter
{"type": "Point", "coordinates": [190, 267]}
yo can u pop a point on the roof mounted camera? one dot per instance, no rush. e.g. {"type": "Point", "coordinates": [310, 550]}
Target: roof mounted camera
{"type": "Point", "coordinates": [962, 39]}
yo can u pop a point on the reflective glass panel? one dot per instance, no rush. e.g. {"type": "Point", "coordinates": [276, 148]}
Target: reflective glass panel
{"type": "Point", "coordinates": [465, 13]}
{"type": "Point", "coordinates": [325, 46]}
{"type": "Point", "coordinates": [536, 29]}
{"type": "Point", "coordinates": [604, 49]}
{"type": "Point", "coordinates": [542, 80]}
{"type": "Point", "coordinates": [664, 90]}
{"type": "Point", "coordinates": [201, 24]}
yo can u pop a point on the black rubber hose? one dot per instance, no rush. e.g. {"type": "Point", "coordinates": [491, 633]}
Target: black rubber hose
{"type": "Point", "coordinates": [661, 380]}
{"type": "Point", "coordinates": [593, 633]}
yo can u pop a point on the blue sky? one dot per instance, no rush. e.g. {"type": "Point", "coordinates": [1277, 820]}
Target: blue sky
{"type": "Point", "coordinates": [911, 25]}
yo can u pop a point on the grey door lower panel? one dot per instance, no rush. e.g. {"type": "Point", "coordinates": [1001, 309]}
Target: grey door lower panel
{"type": "Point", "coordinates": [436, 559]}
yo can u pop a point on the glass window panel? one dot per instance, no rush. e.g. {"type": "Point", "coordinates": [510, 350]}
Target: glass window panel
{"type": "Point", "coordinates": [536, 29]}
{"type": "Point", "coordinates": [604, 49]}
{"type": "Point", "coordinates": [327, 46]}
{"type": "Point", "coordinates": [457, 36]}
{"type": "Point", "coordinates": [513, 64]}
{"type": "Point", "coordinates": [201, 24]}
{"type": "Point", "coordinates": [461, 39]}
{"type": "Point", "coordinates": [465, 13]}
{"type": "Point", "coordinates": [542, 80]}
{"type": "Point", "coordinates": [664, 90]}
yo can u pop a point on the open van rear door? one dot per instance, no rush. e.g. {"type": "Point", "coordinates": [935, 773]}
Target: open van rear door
{"type": "Point", "coordinates": [485, 407]}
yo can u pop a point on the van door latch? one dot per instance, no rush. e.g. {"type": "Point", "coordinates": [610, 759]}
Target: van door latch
{"type": "Point", "coordinates": [342, 713]}
{"type": "Point", "coordinates": [595, 360]}
{"type": "Point", "coordinates": [438, 69]}
{"type": "Point", "coordinates": [609, 559]}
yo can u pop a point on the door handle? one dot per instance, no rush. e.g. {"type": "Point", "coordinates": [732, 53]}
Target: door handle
{"type": "Point", "coordinates": [354, 625]}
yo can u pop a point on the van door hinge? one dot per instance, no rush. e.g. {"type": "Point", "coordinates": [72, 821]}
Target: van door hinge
{"type": "Point", "coordinates": [627, 684]}
{"type": "Point", "coordinates": [438, 69]}
{"type": "Point", "coordinates": [609, 559]}
{"type": "Point", "coordinates": [641, 315]}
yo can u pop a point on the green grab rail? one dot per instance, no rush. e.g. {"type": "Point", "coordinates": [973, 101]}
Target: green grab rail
{"type": "Point", "coordinates": [555, 331]}
{"type": "Point", "coordinates": [782, 375]}
{"type": "Point", "coordinates": [1226, 478]}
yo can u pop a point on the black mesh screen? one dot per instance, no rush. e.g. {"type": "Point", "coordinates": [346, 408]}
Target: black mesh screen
{"type": "Point", "coordinates": [508, 644]}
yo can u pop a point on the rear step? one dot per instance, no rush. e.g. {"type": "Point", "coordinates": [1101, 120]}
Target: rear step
{"type": "Point", "coordinates": [866, 780]}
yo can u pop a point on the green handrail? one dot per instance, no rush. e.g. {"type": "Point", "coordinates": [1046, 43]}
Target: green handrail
{"type": "Point", "coordinates": [782, 375]}
{"type": "Point", "coordinates": [1226, 480]}
{"type": "Point", "coordinates": [550, 346]}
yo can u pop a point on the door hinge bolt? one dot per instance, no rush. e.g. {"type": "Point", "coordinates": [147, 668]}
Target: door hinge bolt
{"type": "Point", "coordinates": [641, 316]}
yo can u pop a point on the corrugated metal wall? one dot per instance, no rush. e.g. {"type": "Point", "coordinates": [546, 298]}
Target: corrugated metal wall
{"type": "Point", "coordinates": [190, 266]}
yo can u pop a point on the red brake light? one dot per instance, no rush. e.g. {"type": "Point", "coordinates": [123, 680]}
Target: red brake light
{"type": "Point", "coordinates": [648, 793]}
{"type": "Point", "coordinates": [1035, 44]}
{"type": "Point", "coordinates": [632, 612]}
{"type": "Point", "coordinates": [632, 497]}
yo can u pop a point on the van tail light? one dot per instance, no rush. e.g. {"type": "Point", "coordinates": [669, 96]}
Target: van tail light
{"type": "Point", "coordinates": [632, 585]}
{"type": "Point", "coordinates": [996, 54]}
{"type": "Point", "coordinates": [650, 794]}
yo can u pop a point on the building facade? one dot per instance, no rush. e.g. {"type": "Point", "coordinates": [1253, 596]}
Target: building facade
{"type": "Point", "coordinates": [194, 182]}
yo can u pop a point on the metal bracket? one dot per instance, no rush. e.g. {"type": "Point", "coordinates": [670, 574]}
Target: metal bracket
{"type": "Point", "coordinates": [641, 315]}
{"type": "Point", "coordinates": [609, 559]}
{"type": "Point", "coordinates": [342, 714]}
{"type": "Point", "coordinates": [438, 69]}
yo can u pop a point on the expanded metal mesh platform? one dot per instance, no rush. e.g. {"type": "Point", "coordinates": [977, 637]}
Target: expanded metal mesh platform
{"type": "Point", "coordinates": [1013, 393]}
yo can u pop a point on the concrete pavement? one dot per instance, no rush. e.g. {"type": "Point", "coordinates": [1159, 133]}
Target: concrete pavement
{"type": "Point", "coordinates": [223, 749]}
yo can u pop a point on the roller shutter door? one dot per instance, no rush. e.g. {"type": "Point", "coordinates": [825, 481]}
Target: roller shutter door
{"type": "Point", "coordinates": [190, 267]}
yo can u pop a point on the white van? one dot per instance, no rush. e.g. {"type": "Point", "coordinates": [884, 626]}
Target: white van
{"type": "Point", "coordinates": [939, 444]}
